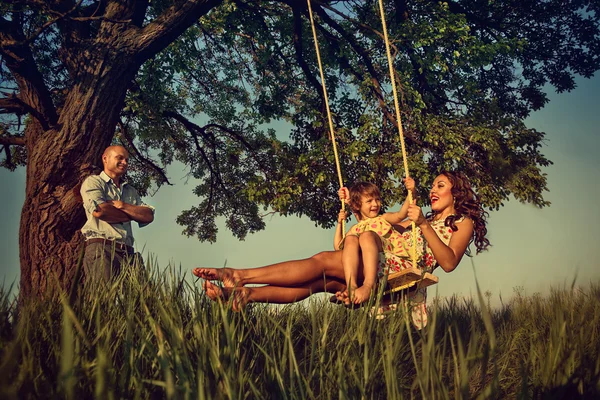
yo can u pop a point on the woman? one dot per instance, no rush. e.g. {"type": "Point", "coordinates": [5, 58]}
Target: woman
{"type": "Point", "coordinates": [457, 219]}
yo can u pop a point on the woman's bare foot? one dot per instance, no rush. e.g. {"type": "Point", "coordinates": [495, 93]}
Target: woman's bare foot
{"type": "Point", "coordinates": [213, 291]}
{"type": "Point", "coordinates": [225, 275]}
{"type": "Point", "coordinates": [238, 296]}
{"type": "Point", "coordinates": [343, 296]}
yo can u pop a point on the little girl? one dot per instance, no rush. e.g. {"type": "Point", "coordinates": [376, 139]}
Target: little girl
{"type": "Point", "coordinates": [372, 235]}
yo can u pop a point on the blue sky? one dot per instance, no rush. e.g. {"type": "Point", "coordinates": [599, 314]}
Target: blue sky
{"type": "Point", "coordinates": [533, 248]}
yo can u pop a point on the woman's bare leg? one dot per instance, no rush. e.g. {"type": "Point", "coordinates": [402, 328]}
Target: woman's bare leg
{"type": "Point", "coordinates": [224, 275]}
{"type": "Point", "coordinates": [237, 295]}
{"type": "Point", "coordinates": [287, 274]}
{"type": "Point", "coordinates": [370, 246]}
{"type": "Point", "coordinates": [269, 293]}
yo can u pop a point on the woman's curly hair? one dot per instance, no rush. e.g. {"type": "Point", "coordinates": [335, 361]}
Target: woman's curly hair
{"type": "Point", "coordinates": [466, 205]}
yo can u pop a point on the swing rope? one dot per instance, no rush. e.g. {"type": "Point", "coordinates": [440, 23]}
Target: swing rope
{"type": "Point", "coordinates": [331, 131]}
{"type": "Point", "coordinates": [413, 252]}
{"type": "Point", "coordinates": [398, 117]}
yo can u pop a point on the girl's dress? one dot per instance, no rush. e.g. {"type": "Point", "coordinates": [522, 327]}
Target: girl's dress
{"type": "Point", "coordinates": [391, 240]}
{"type": "Point", "coordinates": [396, 257]}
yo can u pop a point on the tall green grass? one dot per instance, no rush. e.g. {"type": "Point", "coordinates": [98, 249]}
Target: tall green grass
{"type": "Point", "coordinates": [151, 334]}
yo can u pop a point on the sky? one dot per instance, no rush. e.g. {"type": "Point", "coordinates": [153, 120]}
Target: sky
{"type": "Point", "coordinates": [532, 249]}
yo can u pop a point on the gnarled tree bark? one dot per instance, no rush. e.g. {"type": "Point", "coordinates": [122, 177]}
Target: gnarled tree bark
{"type": "Point", "coordinates": [65, 142]}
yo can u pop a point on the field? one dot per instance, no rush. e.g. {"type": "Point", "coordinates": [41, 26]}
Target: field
{"type": "Point", "coordinates": [154, 335]}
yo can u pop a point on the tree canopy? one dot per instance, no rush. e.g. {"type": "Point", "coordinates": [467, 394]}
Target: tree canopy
{"type": "Point", "coordinates": [206, 83]}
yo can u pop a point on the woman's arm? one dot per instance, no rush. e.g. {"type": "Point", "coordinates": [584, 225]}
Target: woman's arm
{"type": "Point", "coordinates": [447, 256]}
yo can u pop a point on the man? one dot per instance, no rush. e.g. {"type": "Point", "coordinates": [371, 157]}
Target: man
{"type": "Point", "coordinates": [110, 205]}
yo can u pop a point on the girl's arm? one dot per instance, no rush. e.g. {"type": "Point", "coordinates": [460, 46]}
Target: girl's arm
{"type": "Point", "coordinates": [339, 235]}
{"type": "Point", "coordinates": [396, 217]}
{"type": "Point", "coordinates": [448, 256]}
{"type": "Point", "coordinates": [344, 195]}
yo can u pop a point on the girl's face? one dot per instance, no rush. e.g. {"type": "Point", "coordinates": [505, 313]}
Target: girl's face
{"type": "Point", "coordinates": [441, 194]}
{"type": "Point", "coordinates": [369, 206]}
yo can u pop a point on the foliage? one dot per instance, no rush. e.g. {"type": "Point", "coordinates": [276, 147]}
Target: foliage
{"type": "Point", "coordinates": [154, 335]}
{"type": "Point", "coordinates": [469, 73]}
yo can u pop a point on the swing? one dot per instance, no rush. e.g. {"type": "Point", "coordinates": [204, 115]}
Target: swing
{"type": "Point", "coordinates": [405, 279]}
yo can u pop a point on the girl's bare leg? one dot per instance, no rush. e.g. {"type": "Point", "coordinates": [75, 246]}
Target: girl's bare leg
{"type": "Point", "coordinates": [269, 293]}
{"type": "Point", "coordinates": [370, 246]}
{"type": "Point", "coordinates": [350, 262]}
{"type": "Point", "coordinates": [286, 274]}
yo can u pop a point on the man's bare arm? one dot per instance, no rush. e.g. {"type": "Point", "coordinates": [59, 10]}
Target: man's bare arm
{"type": "Point", "coordinates": [141, 214]}
{"type": "Point", "coordinates": [109, 213]}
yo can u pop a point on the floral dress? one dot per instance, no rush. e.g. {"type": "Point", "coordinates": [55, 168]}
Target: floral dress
{"type": "Point", "coordinates": [391, 240]}
{"type": "Point", "coordinates": [425, 260]}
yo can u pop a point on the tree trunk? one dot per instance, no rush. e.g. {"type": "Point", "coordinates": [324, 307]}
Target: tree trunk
{"type": "Point", "coordinates": [58, 161]}
{"type": "Point", "coordinates": [61, 153]}
{"type": "Point", "coordinates": [48, 238]}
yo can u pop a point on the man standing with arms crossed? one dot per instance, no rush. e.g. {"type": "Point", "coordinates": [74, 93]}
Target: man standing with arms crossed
{"type": "Point", "coordinates": [110, 205]}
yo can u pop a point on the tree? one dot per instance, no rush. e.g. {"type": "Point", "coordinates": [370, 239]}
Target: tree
{"type": "Point", "coordinates": [197, 82]}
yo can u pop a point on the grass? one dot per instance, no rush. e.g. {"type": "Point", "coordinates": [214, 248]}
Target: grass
{"type": "Point", "coordinates": [152, 335]}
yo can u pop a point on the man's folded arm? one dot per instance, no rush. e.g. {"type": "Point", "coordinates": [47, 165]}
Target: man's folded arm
{"type": "Point", "coordinates": [141, 214]}
{"type": "Point", "coordinates": [109, 213]}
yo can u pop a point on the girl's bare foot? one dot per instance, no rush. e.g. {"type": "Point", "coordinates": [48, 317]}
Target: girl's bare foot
{"type": "Point", "coordinates": [238, 296]}
{"type": "Point", "coordinates": [225, 275]}
{"type": "Point", "coordinates": [361, 294]}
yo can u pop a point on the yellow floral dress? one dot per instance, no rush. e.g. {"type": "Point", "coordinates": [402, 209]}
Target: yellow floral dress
{"type": "Point", "coordinates": [425, 260]}
{"type": "Point", "coordinates": [391, 240]}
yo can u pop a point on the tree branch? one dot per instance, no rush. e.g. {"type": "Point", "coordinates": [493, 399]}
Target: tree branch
{"type": "Point", "coordinates": [158, 34]}
{"type": "Point", "coordinates": [193, 129]}
{"type": "Point", "coordinates": [60, 16]}
{"type": "Point", "coordinates": [189, 125]}
{"type": "Point", "coordinates": [13, 105]}
{"type": "Point", "coordinates": [146, 161]}
{"type": "Point", "coordinates": [377, 90]}
{"type": "Point", "coordinates": [359, 24]}
{"type": "Point", "coordinates": [232, 133]}
{"type": "Point", "coordinates": [8, 140]}
{"type": "Point", "coordinates": [19, 60]}
{"type": "Point", "coordinates": [8, 160]}
{"type": "Point", "coordinates": [485, 24]}
{"type": "Point", "coordinates": [297, 39]}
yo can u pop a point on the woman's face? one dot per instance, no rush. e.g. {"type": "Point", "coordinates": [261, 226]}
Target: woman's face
{"type": "Point", "coordinates": [369, 206]}
{"type": "Point", "coordinates": [441, 194]}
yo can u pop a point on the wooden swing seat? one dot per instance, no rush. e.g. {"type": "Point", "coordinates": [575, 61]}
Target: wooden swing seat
{"type": "Point", "coordinates": [402, 280]}
{"type": "Point", "coordinates": [407, 278]}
